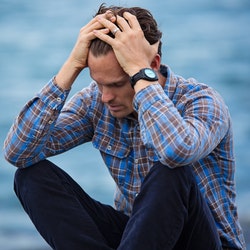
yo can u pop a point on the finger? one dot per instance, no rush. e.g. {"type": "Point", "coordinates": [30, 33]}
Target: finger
{"type": "Point", "coordinates": [104, 37]}
{"type": "Point", "coordinates": [123, 24]}
{"type": "Point", "coordinates": [110, 16]}
{"type": "Point", "coordinates": [106, 23]}
{"type": "Point", "coordinates": [104, 31]}
{"type": "Point", "coordinates": [109, 25]}
{"type": "Point", "coordinates": [95, 24]}
{"type": "Point", "coordinates": [132, 20]}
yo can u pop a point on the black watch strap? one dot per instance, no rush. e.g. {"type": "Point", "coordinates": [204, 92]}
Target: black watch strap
{"type": "Point", "coordinates": [145, 74]}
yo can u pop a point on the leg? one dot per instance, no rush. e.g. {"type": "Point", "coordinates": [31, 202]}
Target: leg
{"type": "Point", "coordinates": [170, 213]}
{"type": "Point", "coordinates": [63, 213]}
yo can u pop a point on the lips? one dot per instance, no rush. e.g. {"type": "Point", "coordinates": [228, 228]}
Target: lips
{"type": "Point", "coordinates": [114, 108]}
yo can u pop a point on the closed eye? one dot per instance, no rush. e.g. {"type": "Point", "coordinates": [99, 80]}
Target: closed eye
{"type": "Point", "coordinates": [112, 85]}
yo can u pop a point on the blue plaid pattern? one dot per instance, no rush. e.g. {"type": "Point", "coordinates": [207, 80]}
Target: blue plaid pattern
{"type": "Point", "coordinates": [186, 123]}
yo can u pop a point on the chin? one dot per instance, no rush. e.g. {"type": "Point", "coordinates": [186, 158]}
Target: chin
{"type": "Point", "coordinates": [120, 114]}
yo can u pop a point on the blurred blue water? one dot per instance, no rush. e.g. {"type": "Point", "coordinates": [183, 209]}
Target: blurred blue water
{"type": "Point", "coordinates": [208, 40]}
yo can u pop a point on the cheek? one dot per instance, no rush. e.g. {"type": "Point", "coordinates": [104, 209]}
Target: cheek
{"type": "Point", "coordinates": [129, 98]}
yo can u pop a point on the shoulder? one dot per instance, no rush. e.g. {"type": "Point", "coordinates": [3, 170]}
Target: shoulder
{"type": "Point", "coordinates": [181, 88]}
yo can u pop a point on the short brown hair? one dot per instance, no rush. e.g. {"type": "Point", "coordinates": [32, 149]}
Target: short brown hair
{"type": "Point", "coordinates": [145, 18]}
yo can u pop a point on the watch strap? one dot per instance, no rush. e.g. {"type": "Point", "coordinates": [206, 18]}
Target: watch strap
{"type": "Point", "coordinates": [141, 75]}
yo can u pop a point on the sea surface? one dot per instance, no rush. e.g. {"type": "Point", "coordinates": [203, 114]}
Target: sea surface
{"type": "Point", "coordinates": [208, 40]}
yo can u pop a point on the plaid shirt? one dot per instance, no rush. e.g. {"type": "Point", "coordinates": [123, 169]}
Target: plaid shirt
{"type": "Point", "coordinates": [186, 123]}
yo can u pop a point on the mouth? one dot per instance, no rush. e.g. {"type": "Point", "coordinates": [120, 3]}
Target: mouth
{"type": "Point", "coordinates": [115, 108]}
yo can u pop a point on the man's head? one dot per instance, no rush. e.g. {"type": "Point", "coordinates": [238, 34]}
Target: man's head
{"type": "Point", "coordinates": [113, 82]}
{"type": "Point", "coordinates": [147, 22]}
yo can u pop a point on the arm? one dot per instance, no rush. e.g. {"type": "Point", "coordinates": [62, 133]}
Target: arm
{"type": "Point", "coordinates": [185, 132]}
{"type": "Point", "coordinates": [42, 129]}
{"type": "Point", "coordinates": [77, 60]}
{"type": "Point", "coordinates": [38, 131]}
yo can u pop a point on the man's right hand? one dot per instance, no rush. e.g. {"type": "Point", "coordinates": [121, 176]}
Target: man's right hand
{"type": "Point", "coordinates": [77, 60]}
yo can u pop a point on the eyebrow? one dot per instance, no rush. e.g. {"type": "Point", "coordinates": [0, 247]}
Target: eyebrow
{"type": "Point", "coordinates": [121, 81]}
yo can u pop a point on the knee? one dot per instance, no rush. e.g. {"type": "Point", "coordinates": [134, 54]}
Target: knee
{"type": "Point", "coordinates": [164, 183]}
{"type": "Point", "coordinates": [28, 172]}
{"type": "Point", "coordinates": [180, 175]}
{"type": "Point", "coordinates": [25, 178]}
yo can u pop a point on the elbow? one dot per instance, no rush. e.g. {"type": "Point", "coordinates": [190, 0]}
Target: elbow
{"type": "Point", "coordinates": [11, 158]}
{"type": "Point", "coordinates": [11, 151]}
{"type": "Point", "coordinates": [21, 158]}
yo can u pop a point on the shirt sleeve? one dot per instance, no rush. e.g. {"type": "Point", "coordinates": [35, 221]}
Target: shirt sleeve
{"type": "Point", "coordinates": [186, 131]}
{"type": "Point", "coordinates": [38, 131]}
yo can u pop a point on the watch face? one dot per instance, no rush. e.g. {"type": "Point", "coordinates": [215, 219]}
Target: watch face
{"type": "Point", "coordinates": [150, 73]}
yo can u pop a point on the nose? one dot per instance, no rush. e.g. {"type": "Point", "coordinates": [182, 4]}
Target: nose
{"type": "Point", "coordinates": [107, 95]}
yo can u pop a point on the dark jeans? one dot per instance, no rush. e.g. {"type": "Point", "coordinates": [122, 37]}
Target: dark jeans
{"type": "Point", "coordinates": [168, 213]}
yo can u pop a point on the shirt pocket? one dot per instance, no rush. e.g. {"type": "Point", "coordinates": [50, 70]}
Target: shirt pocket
{"type": "Point", "coordinates": [115, 154]}
{"type": "Point", "coordinates": [110, 145]}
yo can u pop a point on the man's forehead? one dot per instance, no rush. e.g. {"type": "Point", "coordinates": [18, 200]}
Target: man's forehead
{"type": "Point", "coordinates": [105, 66]}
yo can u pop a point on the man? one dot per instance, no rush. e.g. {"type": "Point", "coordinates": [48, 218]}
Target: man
{"type": "Point", "coordinates": [166, 141]}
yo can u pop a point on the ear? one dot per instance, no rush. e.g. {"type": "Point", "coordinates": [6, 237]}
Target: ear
{"type": "Point", "coordinates": [156, 63]}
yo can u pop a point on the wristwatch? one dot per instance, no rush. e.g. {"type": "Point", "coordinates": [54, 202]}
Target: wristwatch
{"type": "Point", "coordinates": [145, 74]}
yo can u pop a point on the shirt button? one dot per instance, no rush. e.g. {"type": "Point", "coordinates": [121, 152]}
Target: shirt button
{"type": "Point", "coordinates": [50, 121]}
{"type": "Point", "coordinates": [59, 99]}
{"type": "Point", "coordinates": [136, 161]}
{"type": "Point", "coordinates": [109, 147]}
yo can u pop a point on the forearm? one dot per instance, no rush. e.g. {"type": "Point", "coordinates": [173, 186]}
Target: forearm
{"type": "Point", "coordinates": [180, 135]}
{"type": "Point", "coordinates": [27, 138]}
{"type": "Point", "coordinates": [67, 75]}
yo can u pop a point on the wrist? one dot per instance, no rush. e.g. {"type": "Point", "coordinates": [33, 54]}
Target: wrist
{"type": "Point", "coordinates": [67, 75]}
{"type": "Point", "coordinates": [146, 75]}
{"type": "Point", "coordinates": [74, 64]}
